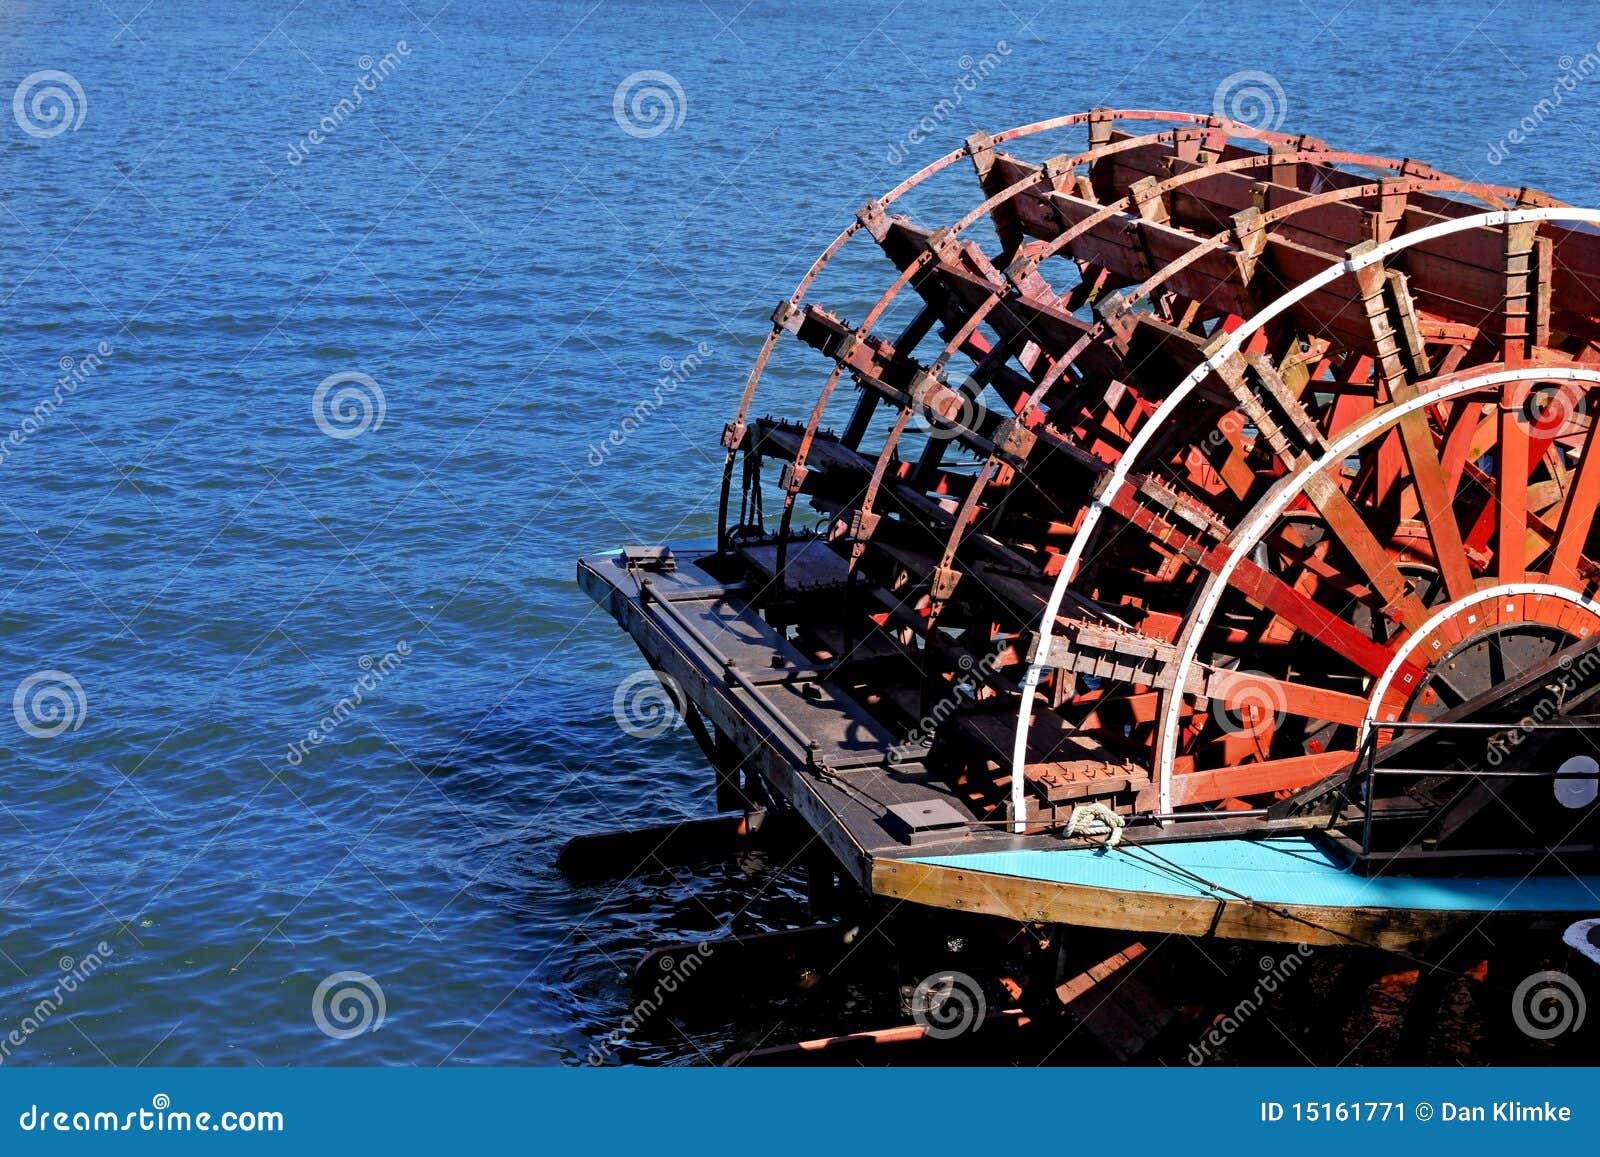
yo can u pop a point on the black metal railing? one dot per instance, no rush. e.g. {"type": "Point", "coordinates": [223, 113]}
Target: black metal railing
{"type": "Point", "coordinates": [1366, 771]}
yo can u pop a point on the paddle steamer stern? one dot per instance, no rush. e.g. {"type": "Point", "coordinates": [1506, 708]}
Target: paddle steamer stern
{"type": "Point", "coordinates": [1196, 536]}
{"type": "Point", "coordinates": [786, 729]}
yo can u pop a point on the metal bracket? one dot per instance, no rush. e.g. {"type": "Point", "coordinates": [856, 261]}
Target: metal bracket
{"type": "Point", "coordinates": [1014, 440]}
{"type": "Point", "coordinates": [787, 316]}
{"type": "Point", "coordinates": [862, 524]}
{"type": "Point", "coordinates": [874, 219]}
{"type": "Point", "coordinates": [649, 558]}
{"type": "Point", "coordinates": [793, 478]}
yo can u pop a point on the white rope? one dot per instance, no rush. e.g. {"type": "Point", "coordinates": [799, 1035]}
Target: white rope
{"type": "Point", "coordinates": [1096, 819]}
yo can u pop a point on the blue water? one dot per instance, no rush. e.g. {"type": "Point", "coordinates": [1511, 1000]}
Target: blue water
{"type": "Point", "coordinates": [481, 240]}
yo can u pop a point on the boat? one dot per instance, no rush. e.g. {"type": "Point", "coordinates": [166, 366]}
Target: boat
{"type": "Point", "coordinates": [1195, 538]}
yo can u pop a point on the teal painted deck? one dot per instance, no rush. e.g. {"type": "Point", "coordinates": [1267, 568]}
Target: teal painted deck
{"type": "Point", "coordinates": [1293, 870]}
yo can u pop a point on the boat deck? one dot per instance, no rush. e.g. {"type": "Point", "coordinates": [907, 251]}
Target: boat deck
{"type": "Point", "coordinates": [899, 831]}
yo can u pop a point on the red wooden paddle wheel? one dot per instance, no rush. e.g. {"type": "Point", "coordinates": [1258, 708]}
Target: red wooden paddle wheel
{"type": "Point", "coordinates": [1180, 462]}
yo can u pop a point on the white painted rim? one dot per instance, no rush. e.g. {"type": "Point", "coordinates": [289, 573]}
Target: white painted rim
{"type": "Point", "coordinates": [1577, 937]}
{"type": "Point", "coordinates": [1380, 689]}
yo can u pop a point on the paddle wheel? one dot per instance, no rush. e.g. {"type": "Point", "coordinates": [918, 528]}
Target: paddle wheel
{"type": "Point", "coordinates": [1195, 529]}
{"type": "Point", "coordinates": [1177, 466]}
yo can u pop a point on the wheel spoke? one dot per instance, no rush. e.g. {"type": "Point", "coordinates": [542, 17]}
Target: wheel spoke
{"type": "Point", "coordinates": [1577, 511]}
{"type": "Point", "coordinates": [1511, 495]}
